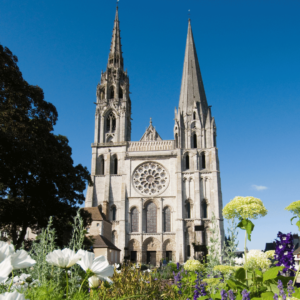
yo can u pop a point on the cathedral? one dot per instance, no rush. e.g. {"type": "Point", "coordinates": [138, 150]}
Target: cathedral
{"type": "Point", "coordinates": [158, 195]}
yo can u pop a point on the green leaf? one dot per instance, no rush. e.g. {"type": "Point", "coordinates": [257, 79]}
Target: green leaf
{"type": "Point", "coordinates": [272, 273]}
{"type": "Point", "coordinates": [297, 293]}
{"type": "Point", "coordinates": [239, 284]}
{"type": "Point", "coordinates": [284, 279]}
{"type": "Point", "coordinates": [256, 298]}
{"type": "Point", "coordinates": [231, 284]}
{"type": "Point", "coordinates": [240, 274]}
{"type": "Point", "coordinates": [203, 298]}
{"type": "Point", "coordinates": [298, 224]}
{"type": "Point", "coordinates": [258, 272]}
{"type": "Point", "coordinates": [239, 297]}
{"type": "Point", "coordinates": [247, 225]}
{"type": "Point", "coordinates": [216, 296]}
{"type": "Point", "coordinates": [293, 219]}
{"type": "Point", "coordinates": [267, 296]}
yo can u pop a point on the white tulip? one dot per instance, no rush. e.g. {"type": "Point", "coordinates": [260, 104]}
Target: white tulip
{"type": "Point", "coordinates": [63, 258]}
{"type": "Point", "coordinates": [5, 250]}
{"type": "Point", "coordinates": [12, 296]}
{"type": "Point", "coordinates": [5, 269]}
{"type": "Point", "coordinates": [99, 266]}
{"type": "Point", "coordinates": [21, 260]}
{"type": "Point", "coordinates": [93, 282]}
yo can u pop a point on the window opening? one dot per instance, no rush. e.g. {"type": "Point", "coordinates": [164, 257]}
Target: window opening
{"type": "Point", "coordinates": [114, 213]}
{"type": "Point", "coordinates": [204, 209]}
{"type": "Point", "coordinates": [134, 220]}
{"type": "Point", "coordinates": [176, 140]}
{"type": "Point", "coordinates": [115, 165]}
{"type": "Point", "coordinates": [187, 162]}
{"type": "Point", "coordinates": [188, 251]}
{"type": "Point", "coordinates": [151, 218]}
{"type": "Point", "coordinates": [194, 115]}
{"type": "Point", "coordinates": [167, 219]}
{"type": "Point", "coordinates": [188, 210]}
{"type": "Point", "coordinates": [111, 123]}
{"type": "Point", "coordinates": [194, 140]}
{"type": "Point", "coordinates": [203, 161]}
{"type": "Point", "coordinates": [112, 92]}
{"type": "Point", "coordinates": [120, 93]}
{"type": "Point", "coordinates": [102, 165]}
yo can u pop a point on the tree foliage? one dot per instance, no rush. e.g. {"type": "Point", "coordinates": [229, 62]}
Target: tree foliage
{"type": "Point", "coordinates": [38, 178]}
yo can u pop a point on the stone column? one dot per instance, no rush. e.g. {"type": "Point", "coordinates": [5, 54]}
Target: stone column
{"type": "Point", "coordinates": [102, 129]}
{"type": "Point", "coordinates": [96, 136]}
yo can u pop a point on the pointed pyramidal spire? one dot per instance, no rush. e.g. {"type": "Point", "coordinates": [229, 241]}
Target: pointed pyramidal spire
{"type": "Point", "coordinates": [192, 89]}
{"type": "Point", "coordinates": [115, 54]}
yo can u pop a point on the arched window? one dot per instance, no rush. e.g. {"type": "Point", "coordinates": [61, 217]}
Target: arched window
{"type": "Point", "coordinates": [167, 219]}
{"type": "Point", "coordinates": [151, 218]}
{"type": "Point", "coordinates": [114, 165]}
{"type": "Point", "coordinates": [176, 140]}
{"type": "Point", "coordinates": [194, 115]}
{"type": "Point", "coordinates": [203, 164]}
{"type": "Point", "coordinates": [194, 140]}
{"type": "Point", "coordinates": [102, 94]}
{"type": "Point", "coordinates": [204, 209]}
{"type": "Point", "coordinates": [100, 165]}
{"type": "Point", "coordinates": [187, 162]}
{"type": "Point", "coordinates": [134, 220]}
{"type": "Point", "coordinates": [120, 93]}
{"type": "Point", "coordinates": [111, 122]}
{"type": "Point", "coordinates": [114, 213]}
{"type": "Point", "coordinates": [188, 210]}
{"type": "Point", "coordinates": [112, 92]}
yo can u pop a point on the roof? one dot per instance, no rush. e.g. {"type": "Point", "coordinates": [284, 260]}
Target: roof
{"type": "Point", "coordinates": [150, 134]}
{"type": "Point", "coordinates": [270, 246]}
{"type": "Point", "coordinates": [96, 214]}
{"type": "Point", "coordinates": [297, 251]}
{"type": "Point", "coordinates": [102, 242]}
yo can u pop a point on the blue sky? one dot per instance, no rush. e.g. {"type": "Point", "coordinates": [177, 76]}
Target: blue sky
{"type": "Point", "coordinates": [249, 59]}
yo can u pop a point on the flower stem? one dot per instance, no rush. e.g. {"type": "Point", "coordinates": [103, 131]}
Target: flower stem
{"type": "Point", "coordinates": [67, 280]}
{"type": "Point", "coordinates": [296, 276]}
{"type": "Point", "coordinates": [246, 254]}
{"type": "Point", "coordinates": [84, 280]}
{"type": "Point", "coordinates": [12, 279]}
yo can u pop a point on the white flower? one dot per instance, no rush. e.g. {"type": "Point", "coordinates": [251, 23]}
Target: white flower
{"type": "Point", "coordinates": [5, 269]}
{"type": "Point", "coordinates": [284, 238]}
{"type": "Point", "coordinates": [65, 258]}
{"type": "Point", "coordinates": [280, 247]}
{"type": "Point", "coordinates": [5, 250]}
{"type": "Point", "coordinates": [148, 270]}
{"type": "Point", "coordinates": [21, 260]}
{"type": "Point", "coordinates": [98, 266]}
{"type": "Point", "coordinates": [93, 282]}
{"type": "Point", "coordinates": [118, 271]}
{"type": "Point", "coordinates": [285, 253]}
{"type": "Point", "coordinates": [239, 261]}
{"type": "Point", "coordinates": [116, 266]}
{"type": "Point", "coordinates": [12, 296]}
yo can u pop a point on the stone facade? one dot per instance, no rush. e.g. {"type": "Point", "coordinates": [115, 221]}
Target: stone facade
{"type": "Point", "coordinates": [158, 194]}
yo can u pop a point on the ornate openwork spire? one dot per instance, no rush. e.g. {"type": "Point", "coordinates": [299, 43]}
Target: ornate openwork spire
{"type": "Point", "coordinates": [115, 54]}
{"type": "Point", "coordinates": [192, 89]}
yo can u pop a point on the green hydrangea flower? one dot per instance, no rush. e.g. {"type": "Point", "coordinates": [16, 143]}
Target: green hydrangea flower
{"type": "Point", "coordinates": [245, 208]}
{"type": "Point", "coordinates": [294, 207]}
{"type": "Point", "coordinates": [256, 259]}
{"type": "Point", "coordinates": [193, 265]}
{"type": "Point", "coordinates": [270, 254]}
{"type": "Point", "coordinates": [225, 269]}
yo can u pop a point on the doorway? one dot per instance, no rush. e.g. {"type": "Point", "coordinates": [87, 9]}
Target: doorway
{"type": "Point", "coordinates": [151, 258]}
{"type": "Point", "coordinates": [169, 255]}
{"type": "Point", "coordinates": [133, 256]}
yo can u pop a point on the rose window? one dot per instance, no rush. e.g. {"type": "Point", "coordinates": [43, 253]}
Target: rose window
{"type": "Point", "coordinates": [150, 178]}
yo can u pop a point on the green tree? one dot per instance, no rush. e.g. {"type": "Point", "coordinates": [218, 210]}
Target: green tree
{"type": "Point", "coordinates": [38, 178]}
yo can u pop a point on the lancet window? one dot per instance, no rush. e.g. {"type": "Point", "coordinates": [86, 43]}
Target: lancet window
{"type": "Point", "coordinates": [203, 162]}
{"type": "Point", "coordinates": [114, 165]}
{"type": "Point", "coordinates": [204, 209]}
{"type": "Point", "coordinates": [112, 92]}
{"type": "Point", "coordinates": [194, 140]}
{"type": "Point", "coordinates": [167, 219]}
{"type": "Point", "coordinates": [111, 123]}
{"type": "Point", "coordinates": [151, 217]}
{"type": "Point", "coordinates": [100, 165]}
{"type": "Point", "coordinates": [134, 220]}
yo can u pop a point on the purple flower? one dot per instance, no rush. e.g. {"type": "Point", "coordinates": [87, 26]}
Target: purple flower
{"type": "Point", "coordinates": [284, 251]}
{"type": "Point", "coordinates": [245, 295]}
{"type": "Point", "coordinates": [290, 288]}
{"type": "Point", "coordinates": [178, 265]}
{"type": "Point", "coordinates": [223, 295]}
{"type": "Point", "coordinates": [231, 295]}
{"type": "Point", "coordinates": [275, 297]}
{"type": "Point", "coordinates": [281, 291]}
{"type": "Point", "coordinates": [177, 280]}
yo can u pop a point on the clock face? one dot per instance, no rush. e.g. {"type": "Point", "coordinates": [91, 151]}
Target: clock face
{"type": "Point", "coordinates": [150, 178]}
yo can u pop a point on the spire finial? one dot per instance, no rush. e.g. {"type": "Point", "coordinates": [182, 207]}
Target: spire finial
{"type": "Point", "coordinates": [150, 121]}
{"type": "Point", "coordinates": [189, 15]}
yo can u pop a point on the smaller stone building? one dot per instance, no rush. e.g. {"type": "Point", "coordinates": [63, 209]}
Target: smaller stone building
{"type": "Point", "coordinates": [100, 231]}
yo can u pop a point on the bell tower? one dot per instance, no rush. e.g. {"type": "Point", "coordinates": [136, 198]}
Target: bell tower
{"type": "Point", "coordinates": [113, 111]}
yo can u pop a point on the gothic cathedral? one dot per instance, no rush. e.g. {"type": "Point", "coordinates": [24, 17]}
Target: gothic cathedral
{"type": "Point", "coordinates": [159, 195]}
